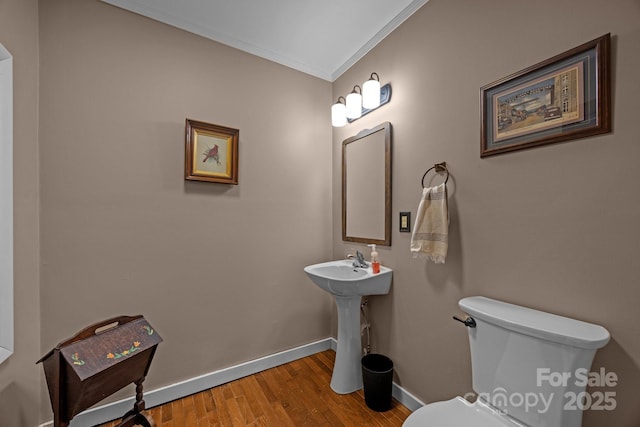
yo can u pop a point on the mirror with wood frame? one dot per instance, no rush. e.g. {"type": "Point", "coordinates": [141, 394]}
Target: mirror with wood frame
{"type": "Point", "coordinates": [366, 186]}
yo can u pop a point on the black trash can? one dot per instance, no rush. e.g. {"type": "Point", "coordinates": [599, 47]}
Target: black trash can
{"type": "Point", "coordinates": [377, 377]}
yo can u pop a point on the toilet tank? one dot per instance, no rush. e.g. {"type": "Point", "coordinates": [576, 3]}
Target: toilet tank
{"type": "Point", "coordinates": [528, 363]}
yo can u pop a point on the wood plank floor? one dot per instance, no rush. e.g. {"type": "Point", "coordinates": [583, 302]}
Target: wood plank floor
{"type": "Point", "coordinates": [295, 394]}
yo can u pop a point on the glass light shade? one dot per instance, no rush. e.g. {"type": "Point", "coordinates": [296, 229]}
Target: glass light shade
{"type": "Point", "coordinates": [354, 105]}
{"type": "Point", "coordinates": [371, 94]}
{"type": "Point", "coordinates": [338, 114]}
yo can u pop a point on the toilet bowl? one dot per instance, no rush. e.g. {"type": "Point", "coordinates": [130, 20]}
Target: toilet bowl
{"type": "Point", "coordinates": [510, 347]}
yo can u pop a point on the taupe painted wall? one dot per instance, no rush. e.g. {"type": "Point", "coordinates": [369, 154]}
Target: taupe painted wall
{"type": "Point", "coordinates": [216, 269]}
{"type": "Point", "coordinates": [554, 228]}
{"type": "Point", "coordinates": [19, 377]}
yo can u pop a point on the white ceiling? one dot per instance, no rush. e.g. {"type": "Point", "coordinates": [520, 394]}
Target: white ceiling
{"type": "Point", "coordinates": [318, 37]}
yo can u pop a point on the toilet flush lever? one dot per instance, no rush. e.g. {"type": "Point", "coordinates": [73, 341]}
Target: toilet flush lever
{"type": "Point", "coordinates": [468, 322]}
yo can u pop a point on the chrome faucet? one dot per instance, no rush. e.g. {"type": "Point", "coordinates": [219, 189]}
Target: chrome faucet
{"type": "Point", "coordinates": [358, 260]}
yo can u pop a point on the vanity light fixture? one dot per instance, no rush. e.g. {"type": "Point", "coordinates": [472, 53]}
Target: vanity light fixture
{"type": "Point", "coordinates": [361, 101]}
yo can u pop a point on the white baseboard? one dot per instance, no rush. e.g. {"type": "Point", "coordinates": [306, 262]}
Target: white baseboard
{"type": "Point", "coordinates": [114, 410]}
{"type": "Point", "coordinates": [406, 398]}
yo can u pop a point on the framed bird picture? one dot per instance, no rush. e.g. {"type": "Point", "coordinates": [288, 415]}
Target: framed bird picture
{"type": "Point", "coordinates": [211, 153]}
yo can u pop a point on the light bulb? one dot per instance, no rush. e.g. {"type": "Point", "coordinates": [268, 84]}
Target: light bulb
{"type": "Point", "coordinates": [338, 114]}
{"type": "Point", "coordinates": [354, 104]}
{"type": "Point", "coordinates": [371, 93]}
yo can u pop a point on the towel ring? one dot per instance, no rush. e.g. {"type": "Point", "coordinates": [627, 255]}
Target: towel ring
{"type": "Point", "coordinates": [439, 167]}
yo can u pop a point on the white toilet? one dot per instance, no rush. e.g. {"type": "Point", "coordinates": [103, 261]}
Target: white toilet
{"type": "Point", "coordinates": [527, 367]}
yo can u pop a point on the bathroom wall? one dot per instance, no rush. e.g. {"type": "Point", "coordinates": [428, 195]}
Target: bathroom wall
{"type": "Point", "coordinates": [554, 228]}
{"type": "Point", "coordinates": [19, 376]}
{"type": "Point", "coordinates": [100, 202]}
{"type": "Point", "coordinates": [216, 269]}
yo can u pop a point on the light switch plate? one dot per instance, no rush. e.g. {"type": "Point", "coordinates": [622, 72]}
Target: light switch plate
{"type": "Point", "coordinates": [405, 222]}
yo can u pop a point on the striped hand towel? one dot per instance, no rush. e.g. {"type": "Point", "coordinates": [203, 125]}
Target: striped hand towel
{"type": "Point", "coordinates": [430, 238]}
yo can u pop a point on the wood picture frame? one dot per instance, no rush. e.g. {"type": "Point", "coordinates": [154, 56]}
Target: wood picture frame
{"type": "Point", "coordinates": [211, 153]}
{"type": "Point", "coordinates": [563, 98]}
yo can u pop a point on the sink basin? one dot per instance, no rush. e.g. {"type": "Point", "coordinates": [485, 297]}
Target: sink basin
{"type": "Point", "coordinates": [348, 284]}
{"type": "Point", "coordinates": [340, 278]}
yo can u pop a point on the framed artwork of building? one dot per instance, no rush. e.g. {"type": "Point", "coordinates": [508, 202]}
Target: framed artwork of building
{"type": "Point", "coordinates": [560, 99]}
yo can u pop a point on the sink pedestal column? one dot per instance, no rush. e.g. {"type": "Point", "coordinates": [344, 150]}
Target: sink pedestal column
{"type": "Point", "coordinates": [347, 372]}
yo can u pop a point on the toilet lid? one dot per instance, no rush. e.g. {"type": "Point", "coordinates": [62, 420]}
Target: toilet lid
{"type": "Point", "coordinates": [457, 412]}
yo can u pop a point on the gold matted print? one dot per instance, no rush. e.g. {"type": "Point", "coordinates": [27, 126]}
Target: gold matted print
{"type": "Point", "coordinates": [563, 98]}
{"type": "Point", "coordinates": [535, 106]}
{"type": "Point", "coordinates": [211, 153]}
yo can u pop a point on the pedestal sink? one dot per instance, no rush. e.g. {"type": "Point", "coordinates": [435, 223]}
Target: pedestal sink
{"type": "Point", "coordinates": [348, 285]}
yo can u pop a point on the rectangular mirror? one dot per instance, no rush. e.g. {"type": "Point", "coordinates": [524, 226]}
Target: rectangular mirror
{"type": "Point", "coordinates": [366, 186]}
